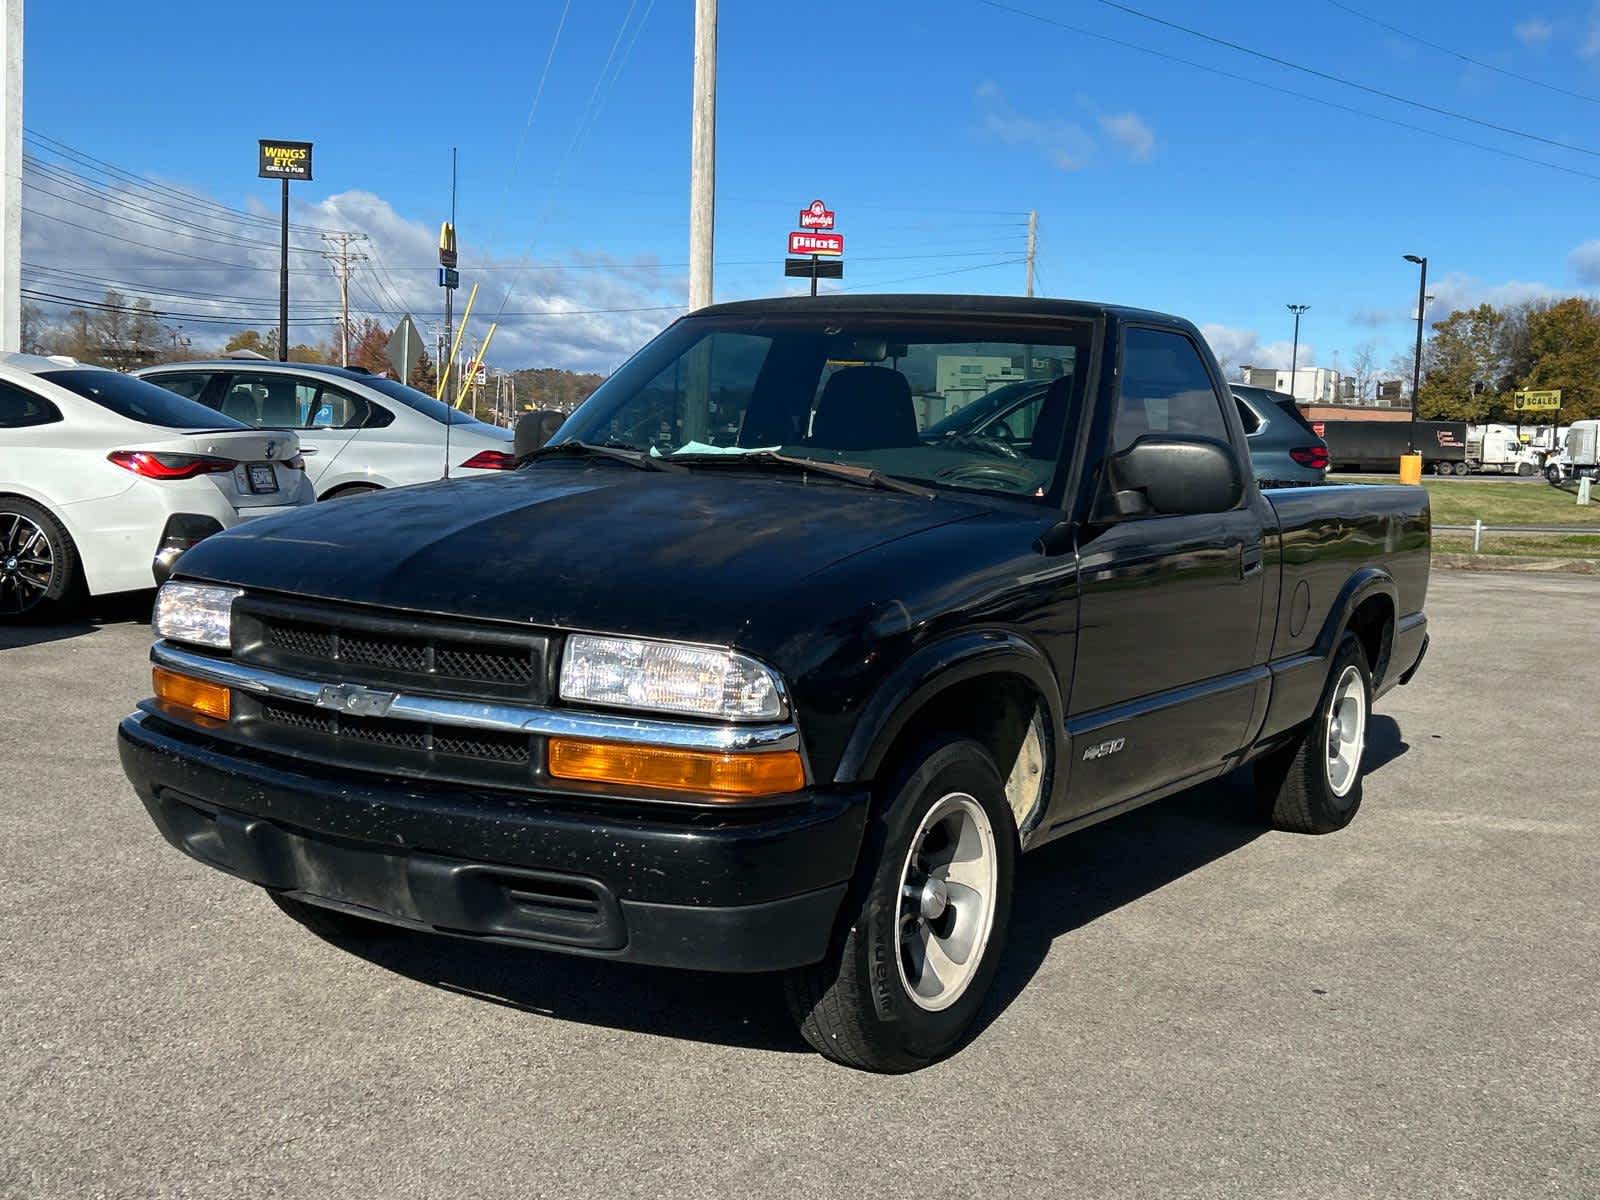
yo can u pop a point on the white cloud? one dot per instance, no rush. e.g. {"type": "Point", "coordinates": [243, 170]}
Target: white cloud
{"type": "Point", "coordinates": [1585, 263]}
{"type": "Point", "coordinates": [1535, 31]}
{"type": "Point", "coordinates": [1591, 39]}
{"type": "Point", "coordinates": [1132, 134]}
{"type": "Point", "coordinates": [213, 273]}
{"type": "Point", "coordinates": [1236, 347]}
{"type": "Point", "coordinates": [1063, 144]}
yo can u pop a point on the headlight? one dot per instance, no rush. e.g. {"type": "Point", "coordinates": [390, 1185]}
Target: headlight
{"type": "Point", "coordinates": [194, 613]}
{"type": "Point", "coordinates": [669, 677]}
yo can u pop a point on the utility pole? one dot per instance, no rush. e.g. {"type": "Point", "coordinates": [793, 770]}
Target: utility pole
{"type": "Point", "coordinates": [448, 376]}
{"type": "Point", "coordinates": [1421, 262]}
{"type": "Point", "coordinates": [703, 154]}
{"type": "Point", "coordinates": [1294, 355]}
{"type": "Point", "coordinates": [342, 259]}
{"type": "Point", "coordinates": [1033, 245]}
{"type": "Point", "coordinates": [11, 176]}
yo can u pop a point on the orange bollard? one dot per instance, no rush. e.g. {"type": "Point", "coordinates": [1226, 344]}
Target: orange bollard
{"type": "Point", "coordinates": [1411, 468]}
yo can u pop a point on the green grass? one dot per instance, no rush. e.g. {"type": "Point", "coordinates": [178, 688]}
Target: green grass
{"type": "Point", "coordinates": [1507, 504]}
{"type": "Point", "coordinates": [1528, 545]}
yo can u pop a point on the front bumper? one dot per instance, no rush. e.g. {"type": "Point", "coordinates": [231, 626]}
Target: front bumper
{"type": "Point", "coordinates": [719, 891]}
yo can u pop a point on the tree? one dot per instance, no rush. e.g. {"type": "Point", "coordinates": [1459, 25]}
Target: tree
{"type": "Point", "coordinates": [369, 346]}
{"type": "Point", "coordinates": [34, 329]}
{"type": "Point", "coordinates": [253, 341]}
{"type": "Point", "coordinates": [1364, 371]}
{"type": "Point", "coordinates": [423, 376]}
{"type": "Point", "coordinates": [1462, 368]}
{"type": "Point", "coordinates": [1564, 349]}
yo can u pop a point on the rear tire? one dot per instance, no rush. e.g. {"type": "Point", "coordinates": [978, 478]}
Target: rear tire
{"type": "Point", "coordinates": [1442, 468]}
{"type": "Point", "coordinates": [1525, 469]}
{"type": "Point", "coordinates": [1462, 470]}
{"type": "Point", "coordinates": [908, 975]}
{"type": "Point", "coordinates": [327, 923]}
{"type": "Point", "coordinates": [1314, 785]}
{"type": "Point", "coordinates": [40, 574]}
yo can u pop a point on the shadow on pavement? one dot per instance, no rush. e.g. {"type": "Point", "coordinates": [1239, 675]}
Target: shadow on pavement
{"type": "Point", "coordinates": [1384, 744]}
{"type": "Point", "coordinates": [127, 608]}
{"type": "Point", "coordinates": [1059, 888]}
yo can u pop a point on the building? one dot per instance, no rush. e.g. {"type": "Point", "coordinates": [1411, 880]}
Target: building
{"type": "Point", "coordinates": [1312, 385]}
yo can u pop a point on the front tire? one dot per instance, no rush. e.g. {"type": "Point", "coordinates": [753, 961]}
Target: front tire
{"type": "Point", "coordinates": [1314, 786]}
{"type": "Point", "coordinates": [908, 976]}
{"type": "Point", "coordinates": [1552, 475]}
{"type": "Point", "coordinates": [40, 576]}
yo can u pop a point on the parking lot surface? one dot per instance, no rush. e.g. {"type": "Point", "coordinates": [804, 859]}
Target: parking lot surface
{"type": "Point", "coordinates": [1190, 1005]}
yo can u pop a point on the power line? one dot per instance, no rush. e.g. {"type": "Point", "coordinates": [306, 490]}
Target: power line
{"type": "Point", "coordinates": [1456, 54]}
{"type": "Point", "coordinates": [1284, 91]}
{"type": "Point", "coordinates": [1008, 262]}
{"type": "Point", "coordinates": [1323, 75]}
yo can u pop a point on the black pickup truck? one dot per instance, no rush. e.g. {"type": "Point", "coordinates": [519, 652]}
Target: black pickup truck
{"type": "Point", "coordinates": [743, 671]}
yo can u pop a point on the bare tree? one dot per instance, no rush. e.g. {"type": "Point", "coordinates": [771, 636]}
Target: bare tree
{"type": "Point", "coordinates": [1364, 371]}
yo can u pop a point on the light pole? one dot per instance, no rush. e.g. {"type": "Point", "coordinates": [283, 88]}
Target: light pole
{"type": "Point", "coordinates": [1294, 356]}
{"type": "Point", "coordinates": [1416, 362]}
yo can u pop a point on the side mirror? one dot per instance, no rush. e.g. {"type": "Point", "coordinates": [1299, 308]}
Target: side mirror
{"type": "Point", "coordinates": [1173, 476]}
{"type": "Point", "coordinates": [533, 430]}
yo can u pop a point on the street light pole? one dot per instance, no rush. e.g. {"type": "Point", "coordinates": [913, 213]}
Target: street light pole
{"type": "Point", "coordinates": [703, 154]}
{"type": "Point", "coordinates": [1294, 355]}
{"type": "Point", "coordinates": [1416, 362]}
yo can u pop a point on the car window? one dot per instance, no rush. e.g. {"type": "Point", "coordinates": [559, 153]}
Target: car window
{"type": "Point", "coordinates": [421, 402]}
{"type": "Point", "coordinates": [335, 409]}
{"type": "Point", "coordinates": [136, 399]}
{"type": "Point", "coordinates": [188, 384]}
{"type": "Point", "coordinates": [1247, 417]}
{"type": "Point", "coordinates": [1166, 389]}
{"type": "Point", "coordinates": [20, 408]}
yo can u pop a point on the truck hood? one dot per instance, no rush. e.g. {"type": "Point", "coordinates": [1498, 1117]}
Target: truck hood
{"type": "Point", "coordinates": [595, 546]}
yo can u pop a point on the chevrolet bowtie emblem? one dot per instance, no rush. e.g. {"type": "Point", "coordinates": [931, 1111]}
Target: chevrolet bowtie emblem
{"type": "Point", "coordinates": [354, 699]}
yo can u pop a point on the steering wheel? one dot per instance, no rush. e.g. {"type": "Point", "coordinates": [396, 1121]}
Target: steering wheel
{"type": "Point", "coordinates": [1008, 476]}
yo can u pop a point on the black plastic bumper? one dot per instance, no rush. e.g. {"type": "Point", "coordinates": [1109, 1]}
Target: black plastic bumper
{"type": "Point", "coordinates": [720, 891]}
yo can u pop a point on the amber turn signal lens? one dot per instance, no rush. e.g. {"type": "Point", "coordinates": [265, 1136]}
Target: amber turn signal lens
{"type": "Point", "coordinates": [710, 774]}
{"type": "Point", "coordinates": [208, 699]}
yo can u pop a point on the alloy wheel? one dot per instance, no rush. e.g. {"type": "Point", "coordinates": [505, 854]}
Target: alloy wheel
{"type": "Point", "coordinates": [27, 564]}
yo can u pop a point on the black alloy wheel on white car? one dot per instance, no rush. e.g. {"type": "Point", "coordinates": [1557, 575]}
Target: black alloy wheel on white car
{"type": "Point", "coordinates": [907, 977]}
{"type": "Point", "coordinates": [38, 562]}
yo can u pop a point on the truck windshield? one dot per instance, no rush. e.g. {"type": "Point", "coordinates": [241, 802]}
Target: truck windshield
{"type": "Point", "coordinates": [943, 400]}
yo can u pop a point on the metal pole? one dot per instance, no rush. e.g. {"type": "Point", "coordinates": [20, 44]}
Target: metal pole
{"type": "Point", "coordinates": [1416, 363]}
{"type": "Point", "coordinates": [283, 278]}
{"type": "Point", "coordinates": [1294, 355]}
{"type": "Point", "coordinates": [11, 178]}
{"type": "Point", "coordinates": [1033, 246]}
{"type": "Point", "coordinates": [703, 154]}
{"type": "Point", "coordinates": [813, 274]}
{"type": "Point", "coordinates": [445, 371]}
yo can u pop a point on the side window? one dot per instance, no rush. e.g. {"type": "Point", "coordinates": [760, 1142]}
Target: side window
{"type": "Point", "coordinates": [21, 409]}
{"type": "Point", "coordinates": [266, 401]}
{"type": "Point", "coordinates": [188, 384]}
{"type": "Point", "coordinates": [1165, 390]}
{"type": "Point", "coordinates": [1246, 417]}
{"type": "Point", "coordinates": [335, 409]}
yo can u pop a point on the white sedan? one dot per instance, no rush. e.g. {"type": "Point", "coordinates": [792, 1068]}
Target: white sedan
{"type": "Point", "coordinates": [359, 432]}
{"type": "Point", "coordinates": [105, 480]}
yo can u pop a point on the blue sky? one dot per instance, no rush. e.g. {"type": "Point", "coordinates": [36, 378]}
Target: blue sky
{"type": "Point", "coordinates": [930, 126]}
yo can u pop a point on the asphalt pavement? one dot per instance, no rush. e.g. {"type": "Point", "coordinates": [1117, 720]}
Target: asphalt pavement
{"type": "Point", "coordinates": [1190, 1006]}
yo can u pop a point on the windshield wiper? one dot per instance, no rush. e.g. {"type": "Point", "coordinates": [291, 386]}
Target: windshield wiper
{"type": "Point", "coordinates": [862, 476]}
{"type": "Point", "coordinates": [615, 451]}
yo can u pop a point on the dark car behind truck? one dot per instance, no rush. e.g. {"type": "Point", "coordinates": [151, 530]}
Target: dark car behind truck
{"type": "Point", "coordinates": [741, 673]}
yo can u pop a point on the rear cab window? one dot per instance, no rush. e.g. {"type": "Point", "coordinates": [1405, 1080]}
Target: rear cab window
{"type": "Point", "coordinates": [137, 399]}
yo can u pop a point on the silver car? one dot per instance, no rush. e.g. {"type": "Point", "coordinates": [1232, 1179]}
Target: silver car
{"type": "Point", "coordinates": [1284, 448]}
{"type": "Point", "coordinates": [359, 432]}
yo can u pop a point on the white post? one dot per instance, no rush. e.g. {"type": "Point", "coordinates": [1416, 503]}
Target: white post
{"type": "Point", "coordinates": [1583, 490]}
{"type": "Point", "coordinates": [1477, 534]}
{"type": "Point", "coordinates": [11, 179]}
{"type": "Point", "coordinates": [703, 154]}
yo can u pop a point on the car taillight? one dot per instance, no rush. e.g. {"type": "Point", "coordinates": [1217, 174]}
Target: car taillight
{"type": "Point", "coordinates": [492, 460]}
{"type": "Point", "coordinates": [169, 466]}
{"type": "Point", "coordinates": [1315, 457]}
{"type": "Point", "coordinates": [297, 463]}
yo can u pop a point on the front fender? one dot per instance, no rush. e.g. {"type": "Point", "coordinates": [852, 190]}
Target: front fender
{"type": "Point", "coordinates": [933, 669]}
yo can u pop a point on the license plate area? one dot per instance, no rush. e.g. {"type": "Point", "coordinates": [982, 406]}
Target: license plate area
{"type": "Point", "coordinates": [263, 479]}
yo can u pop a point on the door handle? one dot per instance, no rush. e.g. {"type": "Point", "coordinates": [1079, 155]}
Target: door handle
{"type": "Point", "coordinates": [1251, 561]}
